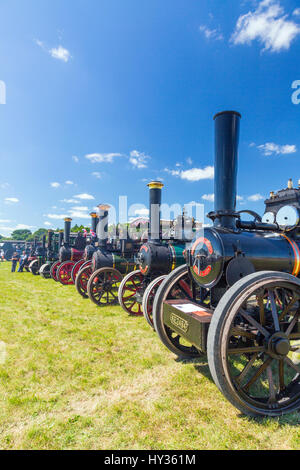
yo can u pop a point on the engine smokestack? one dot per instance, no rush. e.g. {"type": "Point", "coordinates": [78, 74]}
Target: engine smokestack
{"type": "Point", "coordinates": [94, 221]}
{"type": "Point", "coordinates": [67, 231]}
{"type": "Point", "coordinates": [60, 238]}
{"type": "Point", "coordinates": [155, 188]}
{"type": "Point", "coordinates": [102, 227]}
{"type": "Point", "coordinates": [227, 126]}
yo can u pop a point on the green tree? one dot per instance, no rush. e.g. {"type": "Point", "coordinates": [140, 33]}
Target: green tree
{"type": "Point", "coordinates": [40, 233]}
{"type": "Point", "coordinates": [20, 234]}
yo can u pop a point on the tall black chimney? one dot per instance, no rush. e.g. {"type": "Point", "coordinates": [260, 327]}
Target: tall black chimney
{"type": "Point", "coordinates": [67, 231]}
{"type": "Point", "coordinates": [50, 239]}
{"type": "Point", "coordinates": [227, 126]}
{"type": "Point", "coordinates": [44, 242]}
{"type": "Point", "coordinates": [60, 238]}
{"type": "Point", "coordinates": [102, 227]}
{"type": "Point", "coordinates": [94, 221]}
{"type": "Point", "coordinates": [155, 188]}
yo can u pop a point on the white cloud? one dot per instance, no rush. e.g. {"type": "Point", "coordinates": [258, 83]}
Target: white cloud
{"type": "Point", "coordinates": [102, 157]}
{"type": "Point", "coordinates": [55, 185]}
{"type": "Point", "coordinates": [85, 197]}
{"type": "Point", "coordinates": [239, 198]}
{"type": "Point", "coordinates": [80, 208]}
{"type": "Point", "coordinates": [12, 200]}
{"type": "Point", "coordinates": [189, 161]}
{"type": "Point", "coordinates": [4, 185]}
{"type": "Point", "coordinates": [208, 197]}
{"type": "Point", "coordinates": [56, 216]}
{"type": "Point", "coordinates": [270, 148]}
{"type": "Point", "coordinates": [5, 221]}
{"type": "Point", "coordinates": [296, 12]}
{"type": "Point", "coordinates": [69, 182]}
{"type": "Point", "coordinates": [211, 33]}
{"type": "Point", "coordinates": [255, 198]}
{"type": "Point", "coordinates": [268, 24]}
{"type": "Point", "coordinates": [24, 227]}
{"type": "Point", "coordinates": [197, 174]}
{"type": "Point", "coordinates": [138, 159]}
{"type": "Point", "coordinates": [194, 174]}
{"type": "Point", "coordinates": [60, 53]}
{"type": "Point", "coordinates": [68, 201]}
{"type": "Point", "coordinates": [79, 214]}
{"type": "Point", "coordinates": [47, 224]}
{"type": "Point", "coordinates": [75, 159]}
{"type": "Point", "coordinates": [97, 174]}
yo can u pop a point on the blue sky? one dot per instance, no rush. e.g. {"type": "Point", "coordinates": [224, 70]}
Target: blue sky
{"type": "Point", "coordinates": [105, 95]}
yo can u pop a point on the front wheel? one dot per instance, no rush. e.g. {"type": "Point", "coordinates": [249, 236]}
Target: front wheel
{"type": "Point", "coordinates": [34, 267]}
{"type": "Point", "coordinates": [130, 293]}
{"type": "Point", "coordinates": [177, 285]}
{"type": "Point", "coordinates": [45, 271]}
{"type": "Point", "coordinates": [254, 344]}
{"type": "Point", "coordinates": [148, 298]}
{"type": "Point", "coordinates": [82, 279]}
{"type": "Point", "coordinates": [53, 270]}
{"type": "Point", "coordinates": [64, 273]}
{"type": "Point", "coordinates": [103, 286]}
{"type": "Point", "coordinates": [76, 268]}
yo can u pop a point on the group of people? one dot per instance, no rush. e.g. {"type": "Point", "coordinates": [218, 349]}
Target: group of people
{"type": "Point", "coordinates": [18, 258]}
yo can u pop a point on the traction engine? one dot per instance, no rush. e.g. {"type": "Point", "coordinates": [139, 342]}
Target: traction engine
{"type": "Point", "coordinates": [155, 259]}
{"type": "Point", "coordinates": [244, 307]}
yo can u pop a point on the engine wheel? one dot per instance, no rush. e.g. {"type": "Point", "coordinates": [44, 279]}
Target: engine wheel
{"type": "Point", "coordinates": [76, 268]}
{"type": "Point", "coordinates": [53, 270]}
{"type": "Point", "coordinates": [45, 271]}
{"type": "Point", "coordinates": [64, 273]}
{"type": "Point", "coordinates": [254, 344]}
{"type": "Point", "coordinates": [82, 279]}
{"type": "Point", "coordinates": [103, 286]}
{"type": "Point", "coordinates": [130, 293]}
{"type": "Point", "coordinates": [177, 285]}
{"type": "Point", "coordinates": [34, 267]}
{"type": "Point", "coordinates": [148, 299]}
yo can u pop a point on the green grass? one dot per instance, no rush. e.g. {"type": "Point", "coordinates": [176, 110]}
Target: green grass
{"type": "Point", "coordinates": [80, 377]}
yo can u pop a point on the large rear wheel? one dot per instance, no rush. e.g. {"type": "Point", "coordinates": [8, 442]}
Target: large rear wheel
{"type": "Point", "coordinates": [254, 344]}
{"type": "Point", "coordinates": [53, 270]}
{"type": "Point", "coordinates": [34, 267]}
{"type": "Point", "coordinates": [64, 273]}
{"type": "Point", "coordinates": [103, 286]}
{"type": "Point", "coordinates": [82, 279]}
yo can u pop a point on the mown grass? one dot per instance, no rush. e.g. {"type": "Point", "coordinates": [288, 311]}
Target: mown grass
{"type": "Point", "coordinates": [79, 377]}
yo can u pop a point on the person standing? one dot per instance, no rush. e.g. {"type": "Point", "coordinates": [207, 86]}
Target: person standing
{"type": "Point", "coordinates": [23, 260]}
{"type": "Point", "coordinates": [14, 260]}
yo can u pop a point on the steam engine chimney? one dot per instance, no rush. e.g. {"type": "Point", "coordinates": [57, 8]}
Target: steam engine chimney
{"type": "Point", "coordinates": [227, 125]}
{"type": "Point", "coordinates": [94, 222]}
{"type": "Point", "coordinates": [60, 238]}
{"type": "Point", "coordinates": [67, 231]}
{"type": "Point", "coordinates": [50, 239]}
{"type": "Point", "coordinates": [155, 188]}
{"type": "Point", "coordinates": [102, 227]}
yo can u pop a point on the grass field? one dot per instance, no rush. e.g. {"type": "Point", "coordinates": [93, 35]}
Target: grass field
{"type": "Point", "coordinates": [78, 377]}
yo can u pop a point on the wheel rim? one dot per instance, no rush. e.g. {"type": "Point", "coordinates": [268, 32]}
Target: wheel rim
{"type": "Point", "coordinates": [64, 273]}
{"type": "Point", "coordinates": [53, 270]}
{"type": "Point", "coordinates": [260, 350]}
{"type": "Point", "coordinates": [103, 287]}
{"type": "Point", "coordinates": [82, 280]}
{"type": "Point", "coordinates": [148, 299]}
{"type": "Point", "coordinates": [76, 268]}
{"type": "Point", "coordinates": [131, 289]}
{"type": "Point", "coordinates": [180, 287]}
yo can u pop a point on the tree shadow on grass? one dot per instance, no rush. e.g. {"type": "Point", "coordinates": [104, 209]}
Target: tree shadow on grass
{"type": "Point", "coordinates": [201, 366]}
